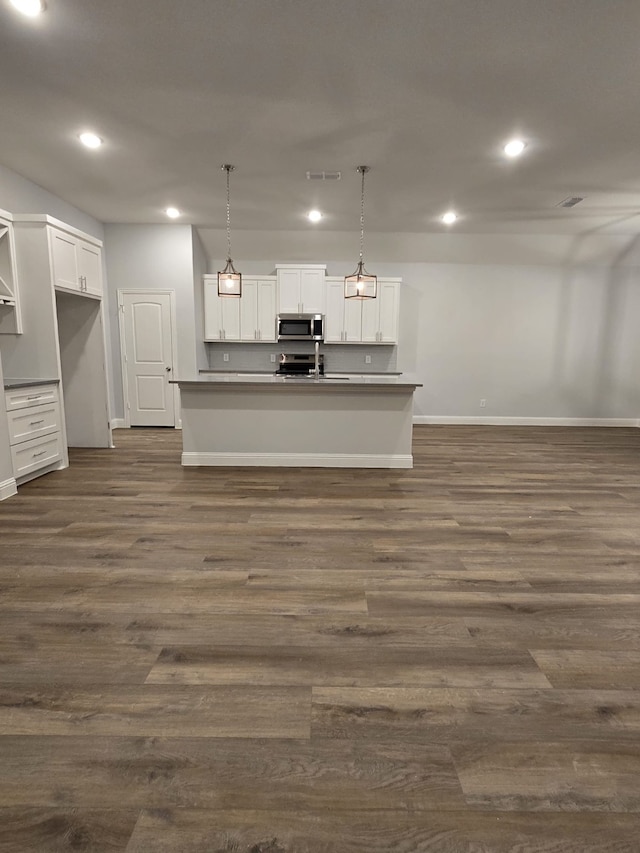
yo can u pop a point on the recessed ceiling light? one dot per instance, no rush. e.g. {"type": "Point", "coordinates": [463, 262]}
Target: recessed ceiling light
{"type": "Point", "coordinates": [514, 147]}
{"type": "Point", "coordinates": [449, 217]}
{"type": "Point", "coordinates": [31, 8]}
{"type": "Point", "coordinates": [173, 212]}
{"type": "Point", "coordinates": [314, 216]}
{"type": "Point", "coordinates": [90, 140]}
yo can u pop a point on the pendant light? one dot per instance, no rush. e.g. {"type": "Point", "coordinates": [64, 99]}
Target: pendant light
{"type": "Point", "coordinates": [360, 284]}
{"type": "Point", "coordinates": [229, 279]}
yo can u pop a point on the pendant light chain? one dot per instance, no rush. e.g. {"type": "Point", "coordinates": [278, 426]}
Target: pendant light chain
{"type": "Point", "coordinates": [363, 170]}
{"type": "Point", "coordinates": [229, 279]}
{"type": "Point", "coordinates": [228, 170]}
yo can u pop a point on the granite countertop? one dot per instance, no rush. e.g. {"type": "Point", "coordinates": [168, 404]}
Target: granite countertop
{"type": "Point", "coordinates": [27, 383]}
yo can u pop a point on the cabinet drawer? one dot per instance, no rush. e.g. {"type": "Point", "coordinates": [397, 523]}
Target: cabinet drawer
{"type": "Point", "coordinates": [33, 422]}
{"type": "Point", "coordinates": [34, 395]}
{"type": "Point", "coordinates": [37, 453]}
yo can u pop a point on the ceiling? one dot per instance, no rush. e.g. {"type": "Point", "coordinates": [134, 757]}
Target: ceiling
{"type": "Point", "coordinates": [424, 91]}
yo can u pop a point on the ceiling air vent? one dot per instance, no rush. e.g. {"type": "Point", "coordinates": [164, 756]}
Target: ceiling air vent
{"type": "Point", "coordinates": [571, 201]}
{"type": "Point", "coordinates": [324, 176]}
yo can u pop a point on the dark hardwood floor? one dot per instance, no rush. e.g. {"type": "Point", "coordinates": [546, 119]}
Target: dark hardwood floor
{"type": "Point", "coordinates": [324, 661]}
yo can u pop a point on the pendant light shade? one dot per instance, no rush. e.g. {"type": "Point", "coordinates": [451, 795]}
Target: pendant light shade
{"type": "Point", "coordinates": [229, 279]}
{"type": "Point", "coordinates": [361, 284]}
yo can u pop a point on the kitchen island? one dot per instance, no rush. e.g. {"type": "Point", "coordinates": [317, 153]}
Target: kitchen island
{"type": "Point", "coordinates": [266, 420]}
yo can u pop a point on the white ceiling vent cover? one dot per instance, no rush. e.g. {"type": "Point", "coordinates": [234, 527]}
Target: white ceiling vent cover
{"type": "Point", "coordinates": [571, 201]}
{"type": "Point", "coordinates": [324, 176]}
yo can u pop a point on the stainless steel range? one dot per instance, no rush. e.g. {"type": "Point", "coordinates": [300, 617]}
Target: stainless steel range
{"type": "Point", "coordinates": [296, 364]}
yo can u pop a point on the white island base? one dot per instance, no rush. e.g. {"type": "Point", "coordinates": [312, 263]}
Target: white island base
{"type": "Point", "coordinates": [276, 421]}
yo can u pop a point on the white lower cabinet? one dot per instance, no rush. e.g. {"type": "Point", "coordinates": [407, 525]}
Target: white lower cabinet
{"type": "Point", "coordinates": [362, 321]}
{"type": "Point", "coordinates": [35, 432]}
{"type": "Point", "coordinates": [251, 317]}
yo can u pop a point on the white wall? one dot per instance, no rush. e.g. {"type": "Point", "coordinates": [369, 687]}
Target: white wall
{"type": "Point", "coordinates": [151, 257]}
{"type": "Point", "coordinates": [18, 195]}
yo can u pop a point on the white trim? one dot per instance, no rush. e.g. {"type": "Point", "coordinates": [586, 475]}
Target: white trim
{"type": "Point", "coordinates": [45, 219]}
{"type": "Point", "coordinates": [573, 422]}
{"type": "Point", "coordinates": [301, 266]}
{"type": "Point", "coordinates": [298, 460]}
{"type": "Point", "coordinates": [8, 488]}
{"type": "Point", "coordinates": [117, 423]}
{"type": "Point", "coordinates": [174, 351]}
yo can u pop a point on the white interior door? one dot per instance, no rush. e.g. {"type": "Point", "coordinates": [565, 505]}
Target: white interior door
{"type": "Point", "coordinates": [147, 339]}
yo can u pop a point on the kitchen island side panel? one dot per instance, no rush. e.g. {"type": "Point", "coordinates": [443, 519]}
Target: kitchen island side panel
{"type": "Point", "coordinates": [316, 426]}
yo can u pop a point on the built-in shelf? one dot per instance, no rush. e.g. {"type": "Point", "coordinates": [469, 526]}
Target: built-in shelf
{"type": "Point", "coordinates": [10, 320]}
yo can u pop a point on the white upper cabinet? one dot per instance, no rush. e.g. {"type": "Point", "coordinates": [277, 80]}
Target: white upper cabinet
{"type": "Point", "coordinates": [301, 289]}
{"type": "Point", "coordinates": [251, 317]}
{"type": "Point", "coordinates": [77, 263]}
{"type": "Point", "coordinates": [258, 310]}
{"type": "Point", "coordinates": [343, 319]}
{"type": "Point", "coordinates": [221, 313]}
{"type": "Point", "coordinates": [10, 319]}
{"type": "Point", "coordinates": [380, 316]}
{"type": "Point", "coordinates": [362, 321]}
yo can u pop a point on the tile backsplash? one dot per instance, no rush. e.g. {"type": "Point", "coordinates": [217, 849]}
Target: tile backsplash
{"type": "Point", "coordinates": [337, 358]}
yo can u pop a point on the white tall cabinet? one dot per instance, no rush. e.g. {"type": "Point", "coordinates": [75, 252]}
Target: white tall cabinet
{"type": "Point", "coordinates": [63, 340]}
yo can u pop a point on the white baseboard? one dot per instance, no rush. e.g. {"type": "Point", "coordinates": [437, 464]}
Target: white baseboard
{"type": "Point", "coordinates": [298, 460]}
{"type": "Point", "coordinates": [117, 423]}
{"type": "Point", "coordinates": [8, 488]}
{"type": "Point", "coordinates": [483, 421]}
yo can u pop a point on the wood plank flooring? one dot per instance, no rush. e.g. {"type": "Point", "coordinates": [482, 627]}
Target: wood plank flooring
{"type": "Point", "coordinates": [445, 659]}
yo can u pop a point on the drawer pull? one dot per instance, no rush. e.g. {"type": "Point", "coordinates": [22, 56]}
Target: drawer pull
{"type": "Point", "coordinates": [35, 423]}
{"type": "Point", "coordinates": [41, 453]}
{"type": "Point", "coordinates": [34, 397]}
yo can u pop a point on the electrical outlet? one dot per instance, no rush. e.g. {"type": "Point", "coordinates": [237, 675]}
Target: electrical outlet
{"type": "Point", "coordinates": [483, 403]}
{"type": "Point", "coordinates": [367, 359]}
{"type": "Point", "coordinates": [273, 358]}
{"type": "Point", "coordinates": [225, 357]}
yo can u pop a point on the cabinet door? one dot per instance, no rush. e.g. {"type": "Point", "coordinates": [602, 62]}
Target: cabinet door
{"type": "Point", "coordinates": [65, 263]}
{"type": "Point", "coordinates": [380, 315]}
{"type": "Point", "coordinates": [353, 320]}
{"type": "Point", "coordinates": [389, 295]}
{"type": "Point", "coordinates": [312, 291]}
{"type": "Point", "coordinates": [230, 314]}
{"type": "Point", "coordinates": [212, 311]}
{"type": "Point", "coordinates": [267, 311]}
{"type": "Point", "coordinates": [334, 313]}
{"type": "Point", "coordinates": [249, 310]}
{"type": "Point", "coordinates": [90, 268]}
{"type": "Point", "coordinates": [370, 318]}
{"type": "Point", "coordinates": [289, 292]}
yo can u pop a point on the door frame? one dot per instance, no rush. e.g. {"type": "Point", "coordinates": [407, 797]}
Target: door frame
{"type": "Point", "coordinates": [140, 291]}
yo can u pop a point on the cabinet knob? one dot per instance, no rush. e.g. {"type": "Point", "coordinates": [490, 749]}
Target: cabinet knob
{"type": "Point", "coordinates": [168, 369]}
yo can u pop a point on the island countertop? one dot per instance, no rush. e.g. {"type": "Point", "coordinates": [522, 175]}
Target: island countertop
{"type": "Point", "coordinates": [296, 383]}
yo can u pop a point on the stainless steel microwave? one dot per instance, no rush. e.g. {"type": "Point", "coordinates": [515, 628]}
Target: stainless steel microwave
{"type": "Point", "coordinates": [300, 327]}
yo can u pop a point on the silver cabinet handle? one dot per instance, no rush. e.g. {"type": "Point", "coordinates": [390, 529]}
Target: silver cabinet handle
{"type": "Point", "coordinates": [35, 423]}
{"type": "Point", "coordinates": [42, 452]}
{"type": "Point", "coordinates": [34, 397]}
